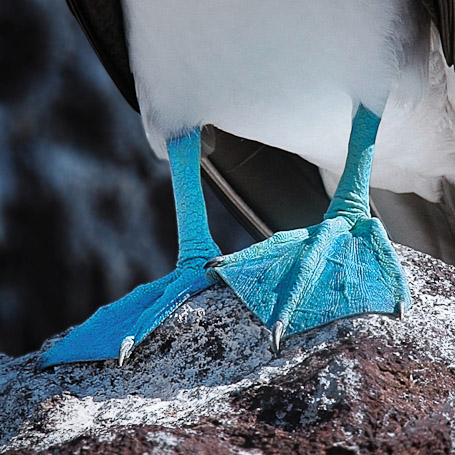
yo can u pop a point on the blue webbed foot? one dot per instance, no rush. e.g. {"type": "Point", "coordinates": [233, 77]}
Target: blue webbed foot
{"type": "Point", "coordinates": [115, 329]}
{"type": "Point", "coordinates": [301, 279]}
{"type": "Point", "coordinates": [344, 266]}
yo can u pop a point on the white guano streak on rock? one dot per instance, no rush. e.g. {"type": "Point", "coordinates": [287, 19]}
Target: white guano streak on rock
{"type": "Point", "coordinates": [210, 349]}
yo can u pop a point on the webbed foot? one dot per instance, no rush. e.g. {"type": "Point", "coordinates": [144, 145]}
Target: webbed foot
{"type": "Point", "coordinates": [301, 279]}
{"type": "Point", "coordinates": [116, 329]}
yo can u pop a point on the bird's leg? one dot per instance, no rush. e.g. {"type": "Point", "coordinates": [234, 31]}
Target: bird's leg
{"type": "Point", "coordinates": [351, 198]}
{"type": "Point", "coordinates": [115, 329]}
{"type": "Point", "coordinates": [345, 266]}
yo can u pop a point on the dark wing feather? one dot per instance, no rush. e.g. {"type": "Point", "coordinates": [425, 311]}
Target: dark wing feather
{"type": "Point", "coordinates": [102, 22]}
{"type": "Point", "coordinates": [442, 13]}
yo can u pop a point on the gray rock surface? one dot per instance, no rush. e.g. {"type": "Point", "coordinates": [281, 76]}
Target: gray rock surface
{"type": "Point", "coordinates": [206, 382]}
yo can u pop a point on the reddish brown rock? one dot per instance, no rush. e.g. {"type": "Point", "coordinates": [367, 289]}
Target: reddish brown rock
{"type": "Point", "coordinates": [207, 383]}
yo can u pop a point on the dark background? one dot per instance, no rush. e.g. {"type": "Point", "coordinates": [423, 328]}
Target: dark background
{"type": "Point", "coordinates": [86, 210]}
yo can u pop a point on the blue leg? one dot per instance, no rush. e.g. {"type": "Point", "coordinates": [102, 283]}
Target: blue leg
{"type": "Point", "coordinates": [115, 329]}
{"type": "Point", "coordinates": [345, 266]}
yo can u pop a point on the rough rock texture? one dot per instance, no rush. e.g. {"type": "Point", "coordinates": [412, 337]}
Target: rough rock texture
{"type": "Point", "coordinates": [206, 383]}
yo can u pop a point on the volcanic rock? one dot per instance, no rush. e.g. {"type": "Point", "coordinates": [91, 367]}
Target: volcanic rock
{"type": "Point", "coordinates": [206, 382]}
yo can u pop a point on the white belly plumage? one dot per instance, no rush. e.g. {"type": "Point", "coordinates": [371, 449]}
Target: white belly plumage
{"type": "Point", "coordinates": [284, 73]}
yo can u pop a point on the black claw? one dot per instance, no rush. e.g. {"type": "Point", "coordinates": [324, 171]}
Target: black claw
{"type": "Point", "coordinates": [215, 262]}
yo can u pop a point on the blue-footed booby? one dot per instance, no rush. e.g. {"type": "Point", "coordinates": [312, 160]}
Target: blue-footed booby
{"type": "Point", "coordinates": [314, 78]}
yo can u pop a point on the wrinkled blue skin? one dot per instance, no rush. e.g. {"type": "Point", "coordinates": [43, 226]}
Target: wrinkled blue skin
{"type": "Point", "coordinates": [303, 278]}
{"type": "Point", "coordinates": [342, 267]}
{"type": "Point", "coordinates": [146, 307]}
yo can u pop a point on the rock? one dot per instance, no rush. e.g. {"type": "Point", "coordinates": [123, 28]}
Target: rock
{"type": "Point", "coordinates": [206, 382]}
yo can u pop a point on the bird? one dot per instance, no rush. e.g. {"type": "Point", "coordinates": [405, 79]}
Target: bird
{"type": "Point", "coordinates": [312, 78]}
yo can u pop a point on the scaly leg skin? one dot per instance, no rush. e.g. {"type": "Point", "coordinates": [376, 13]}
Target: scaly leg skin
{"type": "Point", "coordinates": [115, 329]}
{"type": "Point", "coordinates": [345, 266]}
